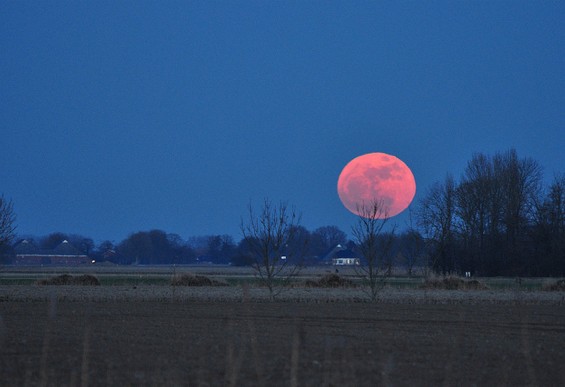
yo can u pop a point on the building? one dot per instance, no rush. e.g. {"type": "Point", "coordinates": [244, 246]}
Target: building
{"type": "Point", "coordinates": [65, 254]}
{"type": "Point", "coordinates": [345, 261]}
{"type": "Point", "coordinates": [341, 256]}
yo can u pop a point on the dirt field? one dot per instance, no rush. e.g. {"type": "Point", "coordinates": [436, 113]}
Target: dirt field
{"type": "Point", "coordinates": [59, 336]}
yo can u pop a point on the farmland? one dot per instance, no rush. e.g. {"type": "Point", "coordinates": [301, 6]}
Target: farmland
{"type": "Point", "coordinates": [137, 329]}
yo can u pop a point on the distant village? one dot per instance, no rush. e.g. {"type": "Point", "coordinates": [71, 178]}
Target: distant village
{"type": "Point", "coordinates": [325, 246]}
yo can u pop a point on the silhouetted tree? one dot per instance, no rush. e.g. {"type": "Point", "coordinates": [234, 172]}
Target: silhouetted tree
{"type": "Point", "coordinates": [496, 206]}
{"type": "Point", "coordinates": [271, 234]}
{"type": "Point", "coordinates": [220, 248]}
{"type": "Point", "coordinates": [105, 251]}
{"type": "Point", "coordinates": [244, 254]}
{"type": "Point", "coordinates": [299, 246]}
{"type": "Point", "coordinates": [7, 226]}
{"type": "Point", "coordinates": [494, 222]}
{"type": "Point", "coordinates": [375, 246]}
{"type": "Point", "coordinates": [549, 231]}
{"type": "Point", "coordinates": [53, 240]}
{"type": "Point", "coordinates": [181, 251]}
{"type": "Point", "coordinates": [479, 203]}
{"type": "Point", "coordinates": [147, 248]}
{"type": "Point", "coordinates": [323, 239]}
{"type": "Point", "coordinates": [436, 218]}
{"type": "Point", "coordinates": [411, 248]}
{"type": "Point", "coordinates": [521, 187]}
{"type": "Point", "coordinates": [217, 249]}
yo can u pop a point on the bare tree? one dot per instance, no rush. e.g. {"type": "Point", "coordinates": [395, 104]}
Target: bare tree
{"type": "Point", "coordinates": [375, 245]}
{"type": "Point", "coordinates": [521, 185]}
{"type": "Point", "coordinates": [550, 230]}
{"type": "Point", "coordinates": [412, 246]}
{"type": "Point", "coordinates": [270, 235]}
{"type": "Point", "coordinates": [436, 217]}
{"type": "Point", "coordinates": [7, 224]}
{"type": "Point", "coordinates": [328, 237]}
{"type": "Point", "coordinates": [478, 204]}
{"type": "Point", "coordinates": [496, 203]}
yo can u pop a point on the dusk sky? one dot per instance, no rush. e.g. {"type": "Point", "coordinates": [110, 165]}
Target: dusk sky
{"type": "Point", "coordinates": [117, 116]}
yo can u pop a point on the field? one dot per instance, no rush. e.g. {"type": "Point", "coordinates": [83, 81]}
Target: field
{"type": "Point", "coordinates": [146, 332]}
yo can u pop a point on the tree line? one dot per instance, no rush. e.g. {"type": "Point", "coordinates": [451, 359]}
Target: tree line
{"type": "Point", "coordinates": [496, 219]}
{"type": "Point", "coordinates": [157, 247]}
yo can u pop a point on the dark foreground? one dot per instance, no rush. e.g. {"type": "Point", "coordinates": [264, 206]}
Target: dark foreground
{"type": "Point", "coordinates": [197, 343]}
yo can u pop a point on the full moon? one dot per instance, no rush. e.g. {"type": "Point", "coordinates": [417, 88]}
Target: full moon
{"type": "Point", "coordinates": [376, 178]}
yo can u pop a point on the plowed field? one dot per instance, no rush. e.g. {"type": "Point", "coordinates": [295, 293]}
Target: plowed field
{"type": "Point", "coordinates": [192, 342]}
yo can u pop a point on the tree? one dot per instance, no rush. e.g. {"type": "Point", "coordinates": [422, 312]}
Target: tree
{"type": "Point", "coordinates": [436, 218]}
{"type": "Point", "coordinates": [496, 206]}
{"type": "Point", "coordinates": [181, 251]}
{"type": "Point", "coordinates": [270, 236]}
{"type": "Point", "coordinates": [217, 249]}
{"type": "Point", "coordinates": [412, 247]}
{"type": "Point", "coordinates": [7, 224]}
{"type": "Point", "coordinates": [221, 248]}
{"type": "Point", "coordinates": [375, 246]}
{"type": "Point", "coordinates": [244, 255]}
{"type": "Point", "coordinates": [136, 248]}
{"type": "Point", "coordinates": [495, 221]}
{"type": "Point", "coordinates": [549, 231]}
{"type": "Point", "coordinates": [84, 244]}
{"type": "Point", "coordinates": [520, 180]}
{"type": "Point", "coordinates": [325, 238]}
{"type": "Point", "coordinates": [106, 251]}
{"type": "Point", "coordinates": [53, 240]}
{"type": "Point", "coordinates": [478, 204]}
{"type": "Point", "coordinates": [300, 245]}
{"type": "Point", "coordinates": [147, 248]}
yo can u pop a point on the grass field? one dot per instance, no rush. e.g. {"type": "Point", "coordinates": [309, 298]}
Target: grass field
{"type": "Point", "coordinates": [138, 330]}
{"type": "Point", "coordinates": [161, 275]}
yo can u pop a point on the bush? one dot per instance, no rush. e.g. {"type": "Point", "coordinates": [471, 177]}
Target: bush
{"type": "Point", "coordinates": [453, 283]}
{"type": "Point", "coordinates": [330, 281]}
{"type": "Point", "coordinates": [557, 286]}
{"type": "Point", "coordinates": [66, 279]}
{"type": "Point", "coordinates": [188, 279]}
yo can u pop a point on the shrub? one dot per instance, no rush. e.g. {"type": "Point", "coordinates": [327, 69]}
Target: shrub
{"type": "Point", "coordinates": [557, 286]}
{"type": "Point", "coordinates": [188, 279]}
{"type": "Point", "coordinates": [453, 283]}
{"type": "Point", "coordinates": [330, 281]}
{"type": "Point", "coordinates": [66, 279]}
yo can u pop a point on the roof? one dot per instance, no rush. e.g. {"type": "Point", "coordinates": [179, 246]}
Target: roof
{"type": "Point", "coordinates": [339, 251]}
{"type": "Point", "coordinates": [65, 248]}
{"type": "Point", "coordinates": [25, 247]}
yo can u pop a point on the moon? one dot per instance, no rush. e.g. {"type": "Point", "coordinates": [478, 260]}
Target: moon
{"type": "Point", "coordinates": [376, 178]}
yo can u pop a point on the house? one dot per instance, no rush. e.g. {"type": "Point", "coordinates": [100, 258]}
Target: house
{"type": "Point", "coordinates": [341, 256]}
{"type": "Point", "coordinates": [27, 253]}
{"type": "Point", "coordinates": [345, 261]}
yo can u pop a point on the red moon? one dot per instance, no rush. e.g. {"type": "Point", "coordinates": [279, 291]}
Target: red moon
{"type": "Point", "coordinates": [376, 177]}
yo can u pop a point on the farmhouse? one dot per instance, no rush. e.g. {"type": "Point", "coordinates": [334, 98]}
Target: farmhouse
{"type": "Point", "coordinates": [27, 253]}
{"type": "Point", "coordinates": [341, 256]}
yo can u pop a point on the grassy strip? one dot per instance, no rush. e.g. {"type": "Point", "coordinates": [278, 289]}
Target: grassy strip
{"type": "Point", "coordinates": [142, 277]}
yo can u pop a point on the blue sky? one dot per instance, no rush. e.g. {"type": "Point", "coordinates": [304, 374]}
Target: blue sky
{"type": "Point", "coordinates": [124, 116]}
